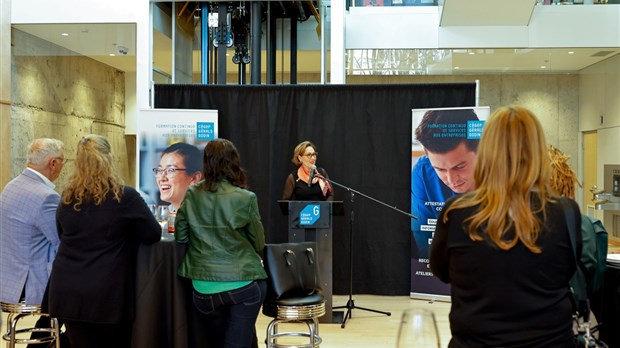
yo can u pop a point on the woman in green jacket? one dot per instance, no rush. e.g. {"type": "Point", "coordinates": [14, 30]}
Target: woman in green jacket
{"type": "Point", "coordinates": [220, 222]}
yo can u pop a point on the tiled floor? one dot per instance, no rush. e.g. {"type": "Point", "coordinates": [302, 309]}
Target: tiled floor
{"type": "Point", "coordinates": [364, 329]}
{"type": "Point", "coordinates": [368, 329]}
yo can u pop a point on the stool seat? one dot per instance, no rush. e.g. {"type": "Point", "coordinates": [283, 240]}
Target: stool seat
{"type": "Point", "coordinates": [19, 308]}
{"type": "Point", "coordinates": [305, 304]}
{"type": "Point", "coordinates": [18, 311]}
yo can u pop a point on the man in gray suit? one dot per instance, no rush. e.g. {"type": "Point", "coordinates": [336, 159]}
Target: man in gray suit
{"type": "Point", "coordinates": [28, 236]}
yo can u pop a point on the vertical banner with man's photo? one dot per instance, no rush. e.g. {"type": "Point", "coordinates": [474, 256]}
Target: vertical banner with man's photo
{"type": "Point", "coordinates": [443, 155]}
{"type": "Point", "coordinates": [158, 131]}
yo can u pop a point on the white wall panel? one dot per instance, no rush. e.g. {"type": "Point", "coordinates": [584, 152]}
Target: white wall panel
{"type": "Point", "coordinates": [575, 26]}
{"type": "Point", "coordinates": [419, 27]}
{"type": "Point", "coordinates": [392, 27]}
{"type": "Point", "coordinates": [79, 11]}
{"type": "Point", "coordinates": [480, 37]}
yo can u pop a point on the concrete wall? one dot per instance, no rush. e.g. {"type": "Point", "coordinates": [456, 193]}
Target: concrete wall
{"type": "Point", "coordinates": [5, 91]}
{"type": "Point", "coordinates": [58, 94]}
{"type": "Point", "coordinates": [100, 11]}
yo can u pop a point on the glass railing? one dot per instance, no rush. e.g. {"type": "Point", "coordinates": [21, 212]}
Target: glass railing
{"type": "Point", "coordinates": [574, 2]}
{"type": "Point", "coordinates": [396, 2]}
{"type": "Point", "coordinates": [371, 3]}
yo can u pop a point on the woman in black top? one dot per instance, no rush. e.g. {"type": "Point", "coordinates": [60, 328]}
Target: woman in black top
{"type": "Point", "coordinates": [101, 222]}
{"type": "Point", "coordinates": [298, 186]}
{"type": "Point", "coordinates": [504, 247]}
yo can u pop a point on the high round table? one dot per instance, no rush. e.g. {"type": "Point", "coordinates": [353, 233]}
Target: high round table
{"type": "Point", "coordinates": [164, 314]}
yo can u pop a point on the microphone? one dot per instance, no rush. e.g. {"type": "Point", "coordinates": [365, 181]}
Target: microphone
{"type": "Point", "coordinates": [312, 170]}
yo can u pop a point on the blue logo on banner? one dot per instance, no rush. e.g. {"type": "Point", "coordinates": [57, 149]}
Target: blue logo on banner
{"type": "Point", "coordinates": [205, 131]}
{"type": "Point", "coordinates": [309, 214]}
{"type": "Point", "coordinates": [474, 129]}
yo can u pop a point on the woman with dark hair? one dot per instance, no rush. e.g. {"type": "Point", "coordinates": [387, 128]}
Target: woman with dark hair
{"type": "Point", "coordinates": [505, 246]}
{"type": "Point", "coordinates": [101, 222]}
{"type": "Point", "coordinates": [179, 167]}
{"type": "Point", "coordinates": [307, 182]}
{"type": "Point", "coordinates": [220, 222]}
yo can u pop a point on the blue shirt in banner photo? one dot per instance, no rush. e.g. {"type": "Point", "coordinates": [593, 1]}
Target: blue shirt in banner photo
{"type": "Point", "coordinates": [428, 194]}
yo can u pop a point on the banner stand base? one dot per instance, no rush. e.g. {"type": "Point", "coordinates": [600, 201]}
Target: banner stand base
{"type": "Point", "coordinates": [429, 297]}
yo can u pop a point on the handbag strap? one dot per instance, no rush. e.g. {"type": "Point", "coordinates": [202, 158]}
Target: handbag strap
{"type": "Point", "coordinates": [583, 303]}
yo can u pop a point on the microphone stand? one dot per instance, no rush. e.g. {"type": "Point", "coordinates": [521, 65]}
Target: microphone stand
{"type": "Point", "coordinates": [350, 306]}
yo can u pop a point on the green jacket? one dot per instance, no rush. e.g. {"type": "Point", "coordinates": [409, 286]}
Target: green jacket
{"type": "Point", "coordinates": [224, 234]}
{"type": "Point", "coordinates": [593, 254]}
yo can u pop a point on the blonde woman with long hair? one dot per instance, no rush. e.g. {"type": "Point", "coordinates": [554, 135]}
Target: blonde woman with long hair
{"type": "Point", "coordinates": [505, 247]}
{"type": "Point", "coordinates": [100, 222]}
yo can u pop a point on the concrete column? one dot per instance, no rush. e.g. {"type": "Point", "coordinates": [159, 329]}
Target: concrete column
{"type": "Point", "coordinates": [5, 92]}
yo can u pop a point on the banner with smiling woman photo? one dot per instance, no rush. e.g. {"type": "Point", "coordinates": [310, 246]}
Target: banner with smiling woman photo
{"type": "Point", "coordinates": [443, 155]}
{"type": "Point", "coordinates": [170, 144]}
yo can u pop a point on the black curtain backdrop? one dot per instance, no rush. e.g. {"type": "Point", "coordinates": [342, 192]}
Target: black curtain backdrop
{"type": "Point", "coordinates": [363, 136]}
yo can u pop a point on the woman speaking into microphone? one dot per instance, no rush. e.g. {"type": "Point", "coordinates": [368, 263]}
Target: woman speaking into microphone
{"type": "Point", "coordinates": [307, 182]}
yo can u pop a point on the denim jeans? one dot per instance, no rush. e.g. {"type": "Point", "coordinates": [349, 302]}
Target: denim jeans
{"type": "Point", "coordinates": [230, 316]}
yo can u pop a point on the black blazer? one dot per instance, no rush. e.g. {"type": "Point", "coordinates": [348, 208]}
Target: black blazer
{"type": "Point", "coordinates": [93, 274]}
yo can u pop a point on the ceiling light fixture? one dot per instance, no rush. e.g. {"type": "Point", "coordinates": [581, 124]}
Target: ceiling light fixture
{"type": "Point", "coordinates": [543, 67]}
{"type": "Point", "coordinates": [64, 34]}
{"type": "Point", "coordinates": [571, 52]}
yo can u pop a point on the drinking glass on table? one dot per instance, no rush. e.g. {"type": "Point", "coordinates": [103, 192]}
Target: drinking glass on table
{"type": "Point", "coordinates": [418, 329]}
{"type": "Point", "coordinates": [162, 217]}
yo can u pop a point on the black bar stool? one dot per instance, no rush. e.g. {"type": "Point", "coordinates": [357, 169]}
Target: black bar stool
{"type": "Point", "coordinates": [293, 293]}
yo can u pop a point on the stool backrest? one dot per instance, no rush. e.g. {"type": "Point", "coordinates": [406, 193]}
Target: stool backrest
{"type": "Point", "coordinates": [292, 269]}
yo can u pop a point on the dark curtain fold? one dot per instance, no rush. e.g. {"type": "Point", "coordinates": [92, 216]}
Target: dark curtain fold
{"type": "Point", "coordinates": [363, 135]}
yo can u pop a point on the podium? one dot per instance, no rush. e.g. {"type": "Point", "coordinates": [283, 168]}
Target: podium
{"type": "Point", "coordinates": [311, 221]}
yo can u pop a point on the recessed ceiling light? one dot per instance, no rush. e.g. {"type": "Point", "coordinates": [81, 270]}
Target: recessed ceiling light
{"type": "Point", "coordinates": [112, 55]}
{"type": "Point", "coordinates": [457, 67]}
{"type": "Point", "coordinates": [472, 53]}
{"type": "Point", "coordinates": [571, 52]}
{"type": "Point", "coordinates": [65, 34]}
{"type": "Point", "coordinates": [543, 67]}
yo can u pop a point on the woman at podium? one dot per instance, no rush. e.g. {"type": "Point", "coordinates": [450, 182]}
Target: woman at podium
{"type": "Point", "coordinates": [308, 182]}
